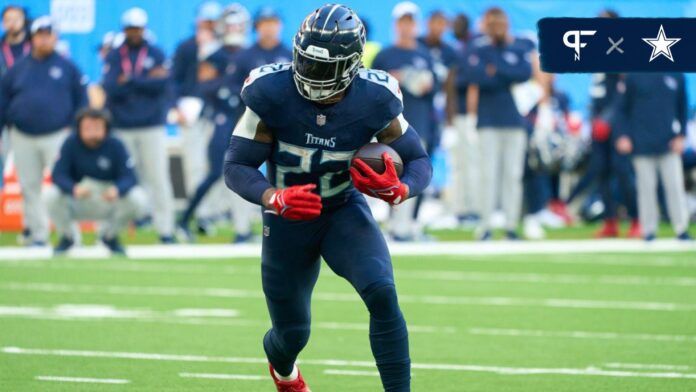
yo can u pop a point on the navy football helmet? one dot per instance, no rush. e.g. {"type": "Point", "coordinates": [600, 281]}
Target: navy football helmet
{"type": "Point", "coordinates": [327, 51]}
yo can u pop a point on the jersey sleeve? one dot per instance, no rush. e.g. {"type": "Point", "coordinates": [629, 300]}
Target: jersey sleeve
{"type": "Point", "coordinates": [258, 90]}
{"type": "Point", "coordinates": [385, 90]}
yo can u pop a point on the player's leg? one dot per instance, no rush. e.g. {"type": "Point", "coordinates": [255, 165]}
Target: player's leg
{"type": "Point", "coordinates": [514, 152]}
{"type": "Point", "coordinates": [216, 157]}
{"type": "Point", "coordinates": [646, 176]}
{"type": "Point", "coordinates": [153, 143]}
{"type": "Point", "coordinates": [672, 177]}
{"type": "Point", "coordinates": [489, 168]}
{"type": "Point", "coordinates": [289, 270]}
{"type": "Point", "coordinates": [59, 209]}
{"type": "Point", "coordinates": [27, 160]}
{"type": "Point", "coordinates": [354, 248]}
{"type": "Point", "coordinates": [124, 210]}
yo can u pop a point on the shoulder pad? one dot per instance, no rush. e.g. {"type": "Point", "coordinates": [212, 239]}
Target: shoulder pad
{"type": "Point", "coordinates": [265, 70]}
{"type": "Point", "coordinates": [383, 79]}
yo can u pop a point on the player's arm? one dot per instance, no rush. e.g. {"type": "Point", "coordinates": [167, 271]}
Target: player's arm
{"type": "Point", "coordinates": [418, 170]}
{"type": "Point", "coordinates": [388, 186]}
{"type": "Point", "coordinates": [250, 146]}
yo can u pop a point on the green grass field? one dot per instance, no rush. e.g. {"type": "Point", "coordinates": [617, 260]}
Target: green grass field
{"type": "Point", "coordinates": [499, 323]}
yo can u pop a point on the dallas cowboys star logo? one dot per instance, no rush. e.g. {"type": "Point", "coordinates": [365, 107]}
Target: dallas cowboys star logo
{"type": "Point", "coordinates": [661, 45]}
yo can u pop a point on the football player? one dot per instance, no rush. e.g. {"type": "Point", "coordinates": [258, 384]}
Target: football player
{"type": "Point", "coordinates": [306, 120]}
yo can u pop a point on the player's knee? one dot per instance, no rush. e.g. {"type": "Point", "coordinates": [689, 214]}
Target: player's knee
{"type": "Point", "coordinates": [382, 302]}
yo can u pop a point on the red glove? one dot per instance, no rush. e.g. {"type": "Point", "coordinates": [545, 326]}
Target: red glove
{"type": "Point", "coordinates": [600, 130]}
{"type": "Point", "coordinates": [385, 186]}
{"type": "Point", "coordinates": [296, 202]}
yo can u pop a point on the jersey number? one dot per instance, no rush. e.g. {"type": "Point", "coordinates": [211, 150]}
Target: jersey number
{"type": "Point", "coordinates": [305, 154]}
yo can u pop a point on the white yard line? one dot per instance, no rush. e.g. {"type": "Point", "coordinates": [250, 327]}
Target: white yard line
{"type": "Point", "coordinates": [568, 303]}
{"type": "Point", "coordinates": [87, 380]}
{"type": "Point", "coordinates": [396, 249]}
{"type": "Point", "coordinates": [646, 366]}
{"type": "Point", "coordinates": [357, 373]}
{"type": "Point", "coordinates": [401, 274]}
{"type": "Point", "coordinates": [217, 376]}
{"type": "Point", "coordinates": [582, 335]}
{"type": "Point", "coordinates": [209, 317]}
{"type": "Point", "coordinates": [502, 370]}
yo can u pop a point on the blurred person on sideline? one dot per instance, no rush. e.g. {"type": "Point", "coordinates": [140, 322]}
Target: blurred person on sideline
{"type": "Point", "coordinates": [137, 89]}
{"type": "Point", "coordinates": [219, 84]}
{"type": "Point", "coordinates": [461, 113]}
{"type": "Point", "coordinates": [268, 48]}
{"type": "Point", "coordinates": [608, 168]}
{"type": "Point", "coordinates": [16, 44]}
{"type": "Point", "coordinates": [194, 127]}
{"type": "Point", "coordinates": [412, 66]}
{"type": "Point", "coordinates": [93, 179]}
{"type": "Point", "coordinates": [39, 97]}
{"type": "Point", "coordinates": [495, 62]}
{"type": "Point", "coordinates": [655, 108]}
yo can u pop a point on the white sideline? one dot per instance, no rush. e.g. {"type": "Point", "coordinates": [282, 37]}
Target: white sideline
{"type": "Point", "coordinates": [185, 251]}
{"type": "Point", "coordinates": [217, 376]}
{"type": "Point", "coordinates": [82, 380]}
{"type": "Point", "coordinates": [570, 303]}
{"type": "Point", "coordinates": [501, 370]}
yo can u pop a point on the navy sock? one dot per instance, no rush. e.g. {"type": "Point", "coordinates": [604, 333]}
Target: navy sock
{"type": "Point", "coordinates": [389, 339]}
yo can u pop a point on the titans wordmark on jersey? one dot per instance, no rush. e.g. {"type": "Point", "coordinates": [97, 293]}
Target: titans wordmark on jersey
{"type": "Point", "coordinates": [315, 143]}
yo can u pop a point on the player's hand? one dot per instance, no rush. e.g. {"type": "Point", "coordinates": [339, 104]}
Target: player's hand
{"type": "Point", "coordinates": [110, 194]}
{"type": "Point", "coordinates": [624, 145]}
{"type": "Point", "coordinates": [80, 192]}
{"type": "Point", "coordinates": [296, 202]}
{"type": "Point", "coordinates": [158, 72]}
{"type": "Point", "coordinates": [600, 130]}
{"type": "Point", "coordinates": [385, 186]}
{"type": "Point", "coordinates": [677, 145]}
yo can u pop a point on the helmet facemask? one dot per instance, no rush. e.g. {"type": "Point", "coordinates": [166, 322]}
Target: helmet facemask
{"type": "Point", "coordinates": [318, 76]}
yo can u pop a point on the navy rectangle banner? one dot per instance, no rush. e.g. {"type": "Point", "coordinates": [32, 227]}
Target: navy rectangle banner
{"type": "Point", "coordinates": [617, 44]}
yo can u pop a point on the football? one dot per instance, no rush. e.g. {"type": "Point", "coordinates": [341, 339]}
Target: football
{"type": "Point", "coordinates": [371, 154]}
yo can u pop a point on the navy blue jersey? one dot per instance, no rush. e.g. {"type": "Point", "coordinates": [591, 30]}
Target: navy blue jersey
{"type": "Point", "coordinates": [142, 100]}
{"type": "Point", "coordinates": [255, 56]}
{"type": "Point", "coordinates": [107, 162]}
{"type": "Point", "coordinates": [11, 53]}
{"type": "Point", "coordinates": [603, 92]}
{"type": "Point", "coordinates": [221, 95]}
{"type": "Point", "coordinates": [315, 143]}
{"type": "Point", "coordinates": [41, 96]}
{"type": "Point", "coordinates": [654, 106]}
{"type": "Point", "coordinates": [444, 57]}
{"type": "Point", "coordinates": [185, 68]}
{"type": "Point", "coordinates": [412, 63]}
{"type": "Point", "coordinates": [511, 64]}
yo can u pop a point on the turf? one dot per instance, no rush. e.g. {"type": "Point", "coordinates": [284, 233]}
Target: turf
{"type": "Point", "coordinates": [626, 314]}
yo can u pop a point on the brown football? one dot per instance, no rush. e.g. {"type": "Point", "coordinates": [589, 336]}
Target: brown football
{"type": "Point", "coordinates": [371, 154]}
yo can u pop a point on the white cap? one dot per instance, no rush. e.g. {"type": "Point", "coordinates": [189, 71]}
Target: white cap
{"type": "Point", "coordinates": [406, 8]}
{"type": "Point", "coordinates": [134, 17]}
{"type": "Point", "coordinates": [210, 10]}
{"type": "Point", "coordinates": [44, 23]}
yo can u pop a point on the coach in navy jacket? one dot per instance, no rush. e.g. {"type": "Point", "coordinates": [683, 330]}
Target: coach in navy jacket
{"type": "Point", "coordinates": [653, 107]}
{"type": "Point", "coordinates": [495, 63]}
{"type": "Point", "coordinates": [137, 86]}
{"type": "Point", "coordinates": [93, 179]}
{"type": "Point", "coordinates": [39, 96]}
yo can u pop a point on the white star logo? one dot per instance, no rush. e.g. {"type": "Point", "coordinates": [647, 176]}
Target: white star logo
{"type": "Point", "coordinates": [661, 45]}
